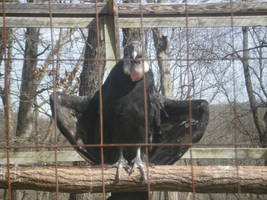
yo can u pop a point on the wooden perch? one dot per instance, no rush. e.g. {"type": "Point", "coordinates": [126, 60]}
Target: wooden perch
{"type": "Point", "coordinates": [208, 179]}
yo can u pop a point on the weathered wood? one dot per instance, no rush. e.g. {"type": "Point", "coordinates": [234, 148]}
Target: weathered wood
{"type": "Point", "coordinates": [112, 37]}
{"type": "Point", "coordinates": [110, 44]}
{"type": "Point", "coordinates": [44, 22]}
{"type": "Point", "coordinates": [219, 179]}
{"type": "Point", "coordinates": [150, 9]}
{"type": "Point", "coordinates": [193, 22]}
{"type": "Point", "coordinates": [227, 153]}
{"type": "Point", "coordinates": [115, 16]}
{"type": "Point", "coordinates": [41, 157]}
{"type": "Point", "coordinates": [59, 10]}
{"type": "Point", "coordinates": [215, 9]}
{"type": "Point", "coordinates": [155, 15]}
{"type": "Point", "coordinates": [161, 22]}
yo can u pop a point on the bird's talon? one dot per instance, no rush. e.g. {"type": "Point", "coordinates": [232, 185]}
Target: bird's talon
{"type": "Point", "coordinates": [138, 163]}
{"type": "Point", "coordinates": [122, 163]}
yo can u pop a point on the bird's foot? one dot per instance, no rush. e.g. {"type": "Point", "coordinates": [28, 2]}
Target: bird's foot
{"type": "Point", "coordinates": [138, 163]}
{"type": "Point", "coordinates": [121, 163]}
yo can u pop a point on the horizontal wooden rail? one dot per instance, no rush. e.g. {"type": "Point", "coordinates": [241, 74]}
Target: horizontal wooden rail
{"type": "Point", "coordinates": [42, 157]}
{"type": "Point", "coordinates": [155, 15]}
{"type": "Point", "coordinates": [135, 9]}
{"type": "Point", "coordinates": [208, 179]}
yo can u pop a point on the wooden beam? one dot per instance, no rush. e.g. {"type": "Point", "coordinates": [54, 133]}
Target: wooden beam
{"type": "Point", "coordinates": [207, 179]}
{"type": "Point", "coordinates": [203, 9]}
{"type": "Point", "coordinates": [163, 22]}
{"type": "Point", "coordinates": [43, 157]}
{"type": "Point", "coordinates": [58, 9]}
{"type": "Point", "coordinates": [112, 37]}
{"type": "Point", "coordinates": [40, 157]}
{"type": "Point", "coordinates": [155, 15]}
{"type": "Point", "coordinates": [115, 16]}
{"type": "Point", "coordinates": [193, 22]}
{"type": "Point", "coordinates": [227, 153]}
{"type": "Point", "coordinates": [125, 9]}
{"type": "Point", "coordinates": [109, 45]}
{"type": "Point", "coordinates": [44, 22]}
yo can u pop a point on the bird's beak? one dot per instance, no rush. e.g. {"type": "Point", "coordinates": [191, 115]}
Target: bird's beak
{"type": "Point", "coordinates": [134, 54]}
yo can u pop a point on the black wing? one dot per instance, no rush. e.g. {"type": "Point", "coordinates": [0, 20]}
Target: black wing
{"type": "Point", "coordinates": [76, 119]}
{"type": "Point", "coordinates": [174, 125]}
{"type": "Point", "coordinates": [69, 111]}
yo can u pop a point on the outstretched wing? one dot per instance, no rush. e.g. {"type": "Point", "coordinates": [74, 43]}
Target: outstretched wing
{"type": "Point", "coordinates": [68, 111]}
{"type": "Point", "coordinates": [174, 125]}
{"type": "Point", "coordinates": [77, 121]}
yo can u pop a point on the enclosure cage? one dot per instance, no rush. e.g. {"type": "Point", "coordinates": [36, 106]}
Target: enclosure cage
{"type": "Point", "coordinates": [209, 63]}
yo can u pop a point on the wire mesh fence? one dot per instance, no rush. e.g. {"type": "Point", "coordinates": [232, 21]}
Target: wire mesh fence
{"type": "Point", "coordinates": [187, 51]}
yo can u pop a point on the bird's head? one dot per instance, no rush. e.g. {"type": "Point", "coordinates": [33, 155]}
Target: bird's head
{"type": "Point", "coordinates": [134, 64]}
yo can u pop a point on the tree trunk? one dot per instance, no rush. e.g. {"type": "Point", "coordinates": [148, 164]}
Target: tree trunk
{"type": "Point", "coordinates": [28, 85]}
{"type": "Point", "coordinates": [31, 78]}
{"type": "Point", "coordinates": [131, 34]}
{"type": "Point", "coordinates": [9, 49]}
{"type": "Point", "coordinates": [259, 123]}
{"type": "Point", "coordinates": [89, 76]}
{"type": "Point", "coordinates": [161, 46]}
{"type": "Point", "coordinates": [208, 179]}
{"type": "Point", "coordinates": [9, 46]}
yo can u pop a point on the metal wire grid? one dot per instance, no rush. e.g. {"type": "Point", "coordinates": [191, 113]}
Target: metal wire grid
{"type": "Point", "coordinates": [7, 101]}
{"type": "Point", "coordinates": [189, 98]}
{"type": "Point", "coordinates": [54, 89]}
{"type": "Point", "coordinates": [234, 91]}
{"type": "Point", "coordinates": [100, 102]}
{"type": "Point", "coordinates": [56, 146]}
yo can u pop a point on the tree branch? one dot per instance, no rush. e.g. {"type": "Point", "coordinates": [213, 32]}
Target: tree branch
{"type": "Point", "coordinates": [248, 49]}
{"type": "Point", "coordinates": [208, 179]}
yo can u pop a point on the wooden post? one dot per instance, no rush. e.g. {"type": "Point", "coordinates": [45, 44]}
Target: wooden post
{"type": "Point", "coordinates": [112, 36]}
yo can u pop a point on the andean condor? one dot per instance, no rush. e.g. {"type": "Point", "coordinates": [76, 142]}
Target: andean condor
{"type": "Point", "coordinates": [124, 118]}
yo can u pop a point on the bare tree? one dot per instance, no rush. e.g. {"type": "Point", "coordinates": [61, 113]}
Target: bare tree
{"type": "Point", "coordinates": [28, 85]}
{"type": "Point", "coordinates": [92, 66]}
{"type": "Point", "coordinates": [260, 123]}
{"type": "Point", "coordinates": [161, 47]}
{"type": "Point", "coordinates": [8, 61]}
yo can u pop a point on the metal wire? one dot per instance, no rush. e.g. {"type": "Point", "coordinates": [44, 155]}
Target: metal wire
{"type": "Point", "coordinates": [9, 147]}
{"type": "Point", "coordinates": [145, 99]}
{"type": "Point", "coordinates": [54, 71]}
{"type": "Point", "coordinates": [145, 59]}
{"type": "Point", "coordinates": [235, 95]}
{"type": "Point", "coordinates": [189, 99]}
{"type": "Point", "coordinates": [7, 111]}
{"type": "Point", "coordinates": [100, 99]}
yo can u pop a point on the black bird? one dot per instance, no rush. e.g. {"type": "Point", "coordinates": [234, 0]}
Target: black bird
{"type": "Point", "coordinates": [124, 119]}
{"type": "Point", "coordinates": [124, 107]}
{"type": "Point", "coordinates": [123, 113]}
